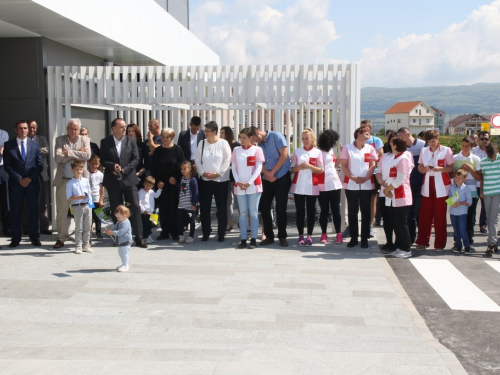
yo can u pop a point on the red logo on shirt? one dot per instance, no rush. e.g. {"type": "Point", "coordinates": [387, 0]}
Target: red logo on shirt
{"type": "Point", "coordinates": [393, 173]}
{"type": "Point", "coordinates": [313, 161]}
{"type": "Point", "coordinates": [368, 158]}
{"type": "Point", "coordinates": [251, 161]}
{"type": "Point", "coordinates": [440, 163]}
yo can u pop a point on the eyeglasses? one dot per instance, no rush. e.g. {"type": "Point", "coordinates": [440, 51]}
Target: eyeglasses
{"type": "Point", "coordinates": [484, 139]}
{"type": "Point", "coordinates": [208, 131]}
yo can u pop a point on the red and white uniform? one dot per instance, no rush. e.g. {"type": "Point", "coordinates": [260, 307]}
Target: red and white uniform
{"type": "Point", "coordinates": [359, 164]}
{"type": "Point", "coordinates": [329, 179]}
{"type": "Point", "coordinates": [442, 157]}
{"type": "Point", "coordinates": [247, 166]}
{"type": "Point", "coordinates": [305, 182]}
{"type": "Point", "coordinates": [396, 172]}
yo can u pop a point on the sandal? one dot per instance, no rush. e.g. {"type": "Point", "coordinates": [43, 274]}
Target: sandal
{"type": "Point", "coordinates": [58, 244]}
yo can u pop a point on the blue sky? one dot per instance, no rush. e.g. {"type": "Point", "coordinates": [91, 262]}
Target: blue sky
{"type": "Point", "coordinates": [398, 43]}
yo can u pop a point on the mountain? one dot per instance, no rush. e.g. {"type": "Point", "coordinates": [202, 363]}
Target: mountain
{"type": "Point", "coordinates": [482, 98]}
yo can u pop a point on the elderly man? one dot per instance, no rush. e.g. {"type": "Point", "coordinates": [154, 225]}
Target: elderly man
{"type": "Point", "coordinates": [69, 147]}
{"type": "Point", "coordinates": [23, 162]}
{"type": "Point", "coordinates": [4, 191]}
{"type": "Point", "coordinates": [119, 157]}
{"type": "Point", "coordinates": [154, 137]}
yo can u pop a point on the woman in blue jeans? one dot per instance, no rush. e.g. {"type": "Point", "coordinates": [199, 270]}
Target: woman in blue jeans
{"type": "Point", "coordinates": [247, 161]}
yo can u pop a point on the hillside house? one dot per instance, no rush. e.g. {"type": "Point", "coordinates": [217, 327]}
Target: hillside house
{"type": "Point", "coordinates": [416, 116]}
{"type": "Point", "coordinates": [466, 124]}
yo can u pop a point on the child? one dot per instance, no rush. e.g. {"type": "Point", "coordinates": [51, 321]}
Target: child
{"type": "Point", "coordinates": [96, 179]}
{"type": "Point", "coordinates": [79, 194]}
{"type": "Point", "coordinates": [123, 232]}
{"type": "Point", "coordinates": [188, 198]}
{"type": "Point", "coordinates": [462, 199]}
{"type": "Point", "coordinates": [147, 203]}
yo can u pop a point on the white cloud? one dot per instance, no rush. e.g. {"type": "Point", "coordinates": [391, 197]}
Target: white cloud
{"type": "Point", "coordinates": [463, 53]}
{"type": "Point", "coordinates": [255, 32]}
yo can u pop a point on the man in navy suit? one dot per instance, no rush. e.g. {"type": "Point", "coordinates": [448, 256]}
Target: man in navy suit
{"type": "Point", "coordinates": [23, 162]}
{"type": "Point", "coordinates": [189, 139]}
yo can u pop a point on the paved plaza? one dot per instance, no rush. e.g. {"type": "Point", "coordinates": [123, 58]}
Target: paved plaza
{"type": "Point", "coordinates": [209, 308]}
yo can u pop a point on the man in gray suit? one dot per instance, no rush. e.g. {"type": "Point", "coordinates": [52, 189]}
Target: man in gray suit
{"type": "Point", "coordinates": [69, 147]}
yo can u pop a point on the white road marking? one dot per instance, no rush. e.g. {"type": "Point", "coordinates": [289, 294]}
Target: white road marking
{"type": "Point", "coordinates": [494, 265]}
{"type": "Point", "coordinates": [453, 287]}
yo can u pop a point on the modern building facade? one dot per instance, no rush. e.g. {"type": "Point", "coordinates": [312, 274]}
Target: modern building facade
{"type": "Point", "coordinates": [35, 34]}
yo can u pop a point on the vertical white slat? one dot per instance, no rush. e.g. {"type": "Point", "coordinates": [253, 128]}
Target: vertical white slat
{"type": "Point", "coordinates": [334, 100]}
{"type": "Point", "coordinates": [67, 93]}
{"type": "Point", "coordinates": [287, 83]}
{"type": "Point", "coordinates": [84, 81]}
{"type": "Point", "coordinates": [75, 92]}
{"type": "Point", "coordinates": [92, 97]}
{"type": "Point", "coordinates": [184, 86]}
{"type": "Point", "coordinates": [142, 85]}
{"type": "Point", "coordinates": [108, 95]}
{"type": "Point", "coordinates": [125, 84]}
{"type": "Point", "coordinates": [159, 84]}
{"type": "Point", "coordinates": [140, 122]}
{"type": "Point", "coordinates": [294, 126]}
{"type": "Point", "coordinates": [288, 130]}
{"type": "Point", "coordinates": [52, 97]}
{"type": "Point", "coordinates": [315, 121]}
{"type": "Point", "coordinates": [133, 85]}
{"type": "Point", "coordinates": [117, 85]}
{"type": "Point", "coordinates": [151, 96]}
{"type": "Point", "coordinates": [343, 126]}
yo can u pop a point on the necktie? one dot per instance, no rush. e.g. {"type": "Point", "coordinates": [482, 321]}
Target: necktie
{"type": "Point", "coordinates": [23, 151]}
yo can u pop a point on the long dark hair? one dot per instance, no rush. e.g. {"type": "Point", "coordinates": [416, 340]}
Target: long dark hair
{"type": "Point", "coordinates": [228, 134]}
{"type": "Point", "coordinates": [327, 140]}
{"type": "Point", "coordinates": [136, 130]}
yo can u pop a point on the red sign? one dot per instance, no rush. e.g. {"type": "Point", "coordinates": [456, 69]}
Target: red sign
{"type": "Point", "coordinates": [495, 121]}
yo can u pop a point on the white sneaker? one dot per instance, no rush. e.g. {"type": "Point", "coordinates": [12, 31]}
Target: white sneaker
{"type": "Point", "coordinates": [78, 251]}
{"type": "Point", "coordinates": [122, 269]}
{"type": "Point", "coordinates": [149, 240]}
{"type": "Point", "coordinates": [88, 249]}
{"type": "Point", "coordinates": [395, 253]}
{"type": "Point", "coordinates": [117, 268]}
{"type": "Point", "coordinates": [181, 239]}
{"type": "Point", "coordinates": [189, 240]}
{"type": "Point", "coordinates": [403, 254]}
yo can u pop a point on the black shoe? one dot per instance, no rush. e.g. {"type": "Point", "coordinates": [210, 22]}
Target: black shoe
{"type": "Point", "coordinates": [36, 242]}
{"type": "Point", "coordinates": [162, 237]}
{"type": "Point", "coordinates": [387, 246]}
{"type": "Point", "coordinates": [220, 239]}
{"type": "Point", "coordinates": [14, 244]}
{"type": "Point", "coordinates": [243, 244]}
{"type": "Point", "coordinates": [204, 239]}
{"type": "Point", "coordinates": [353, 242]}
{"type": "Point", "coordinates": [364, 244]}
{"type": "Point", "coordinates": [141, 243]}
{"type": "Point", "coordinates": [175, 238]}
{"type": "Point", "coordinates": [47, 232]}
{"type": "Point", "coordinates": [253, 243]}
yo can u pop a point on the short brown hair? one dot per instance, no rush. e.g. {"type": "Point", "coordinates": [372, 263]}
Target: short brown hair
{"type": "Point", "coordinates": [150, 180]}
{"type": "Point", "coordinates": [461, 172]}
{"type": "Point", "coordinates": [77, 163]}
{"type": "Point", "coordinates": [399, 143]}
{"type": "Point", "coordinates": [361, 129]}
{"type": "Point", "coordinates": [431, 134]}
{"type": "Point", "coordinates": [123, 210]}
{"type": "Point", "coordinates": [95, 157]}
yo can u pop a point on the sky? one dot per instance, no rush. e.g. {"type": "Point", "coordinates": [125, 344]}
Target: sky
{"type": "Point", "coordinates": [397, 43]}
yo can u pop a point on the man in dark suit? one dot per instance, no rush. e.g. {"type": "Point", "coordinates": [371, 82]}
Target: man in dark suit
{"type": "Point", "coordinates": [24, 163]}
{"type": "Point", "coordinates": [189, 139]}
{"type": "Point", "coordinates": [119, 157]}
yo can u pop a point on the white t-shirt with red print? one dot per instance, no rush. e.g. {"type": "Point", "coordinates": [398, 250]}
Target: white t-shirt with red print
{"type": "Point", "coordinates": [329, 179]}
{"type": "Point", "coordinates": [246, 167]}
{"type": "Point", "coordinates": [305, 182]}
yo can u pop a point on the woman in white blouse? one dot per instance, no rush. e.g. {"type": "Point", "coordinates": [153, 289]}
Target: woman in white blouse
{"type": "Point", "coordinates": [212, 160]}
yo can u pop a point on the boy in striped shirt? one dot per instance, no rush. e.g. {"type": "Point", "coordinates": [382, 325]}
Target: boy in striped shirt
{"type": "Point", "coordinates": [490, 191]}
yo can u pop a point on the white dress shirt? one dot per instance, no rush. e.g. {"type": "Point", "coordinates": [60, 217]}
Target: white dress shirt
{"type": "Point", "coordinates": [25, 145]}
{"type": "Point", "coordinates": [194, 144]}
{"type": "Point", "coordinates": [118, 144]}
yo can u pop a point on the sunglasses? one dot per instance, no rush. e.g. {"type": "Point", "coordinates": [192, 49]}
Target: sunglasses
{"type": "Point", "coordinates": [484, 139]}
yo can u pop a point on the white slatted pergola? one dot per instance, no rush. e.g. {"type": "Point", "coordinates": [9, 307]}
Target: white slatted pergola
{"type": "Point", "coordinates": [286, 98]}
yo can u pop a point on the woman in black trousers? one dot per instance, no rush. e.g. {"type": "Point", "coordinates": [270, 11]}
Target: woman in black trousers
{"type": "Point", "coordinates": [212, 160]}
{"type": "Point", "coordinates": [166, 167]}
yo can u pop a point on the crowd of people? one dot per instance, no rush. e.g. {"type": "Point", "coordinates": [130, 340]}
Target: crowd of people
{"type": "Point", "coordinates": [409, 184]}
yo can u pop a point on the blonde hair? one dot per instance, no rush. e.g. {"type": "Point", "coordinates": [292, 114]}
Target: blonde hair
{"type": "Point", "coordinates": [312, 135]}
{"type": "Point", "coordinates": [123, 210]}
{"type": "Point", "coordinates": [168, 131]}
